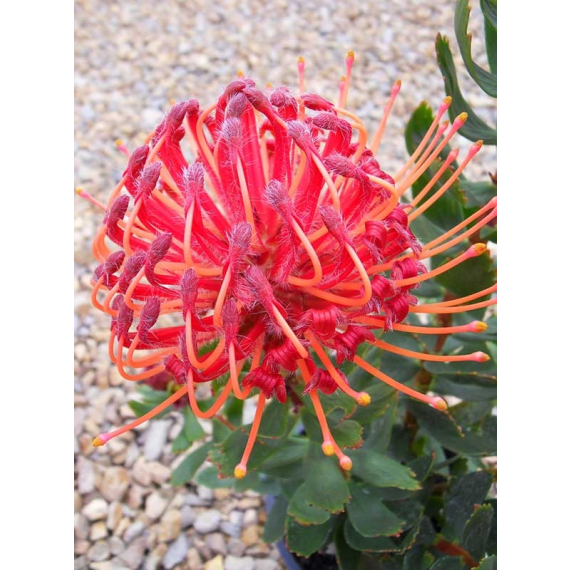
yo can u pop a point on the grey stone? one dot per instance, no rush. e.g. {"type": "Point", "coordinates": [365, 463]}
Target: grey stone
{"type": "Point", "coordinates": [208, 521]}
{"type": "Point", "coordinates": [115, 482]}
{"type": "Point", "coordinates": [176, 552]}
{"type": "Point", "coordinates": [134, 554]}
{"type": "Point", "coordinates": [155, 439]}
{"type": "Point", "coordinates": [188, 516]}
{"type": "Point", "coordinates": [230, 529]}
{"type": "Point", "coordinates": [234, 563]}
{"type": "Point", "coordinates": [216, 543]}
{"type": "Point", "coordinates": [156, 504]}
{"type": "Point", "coordinates": [134, 530]}
{"type": "Point", "coordinates": [266, 564]}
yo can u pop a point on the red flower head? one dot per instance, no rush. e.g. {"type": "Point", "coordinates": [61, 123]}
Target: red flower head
{"type": "Point", "coordinates": [283, 244]}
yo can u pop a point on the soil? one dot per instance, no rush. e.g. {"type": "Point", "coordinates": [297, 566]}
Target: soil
{"type": "Point", "coordinates": [317, 561]}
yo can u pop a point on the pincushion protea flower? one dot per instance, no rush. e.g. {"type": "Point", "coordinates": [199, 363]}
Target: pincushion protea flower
{"type": "Point", "coordinates": [284, 245]}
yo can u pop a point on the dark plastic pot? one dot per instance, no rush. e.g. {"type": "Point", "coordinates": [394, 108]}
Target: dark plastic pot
{"type": "Point", "coordinates": [286, 556]}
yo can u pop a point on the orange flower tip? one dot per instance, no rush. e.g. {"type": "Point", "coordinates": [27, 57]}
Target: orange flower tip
{"type": "Point", "coordinates": [240, 471]}
{"type": "Point", "coordinates": [476, 249]}
{"type": "Point", "coordinates": [350, 56]}
{"type": "Point", "coordinates": [300, 60]}
{"type": "Point", "coordinates": [346, 463]}
{"type": "Point", "coordinates": [460, 120]}
{"type": "Point", "coordinates": [119, 142]}
{"type": "Point", "coordinates": [342, 79]}
{"type": "Point", "coordinates": [480, 357]}
{"type": "Point", "coordinates": [328, 448]}
{"type": "Point", "coordinates": [172, 102]}
{"type": "Point", "coordinates": [363, 398]}
{"type": "Point", "coordinates": [101, 440]}
{"type": "Point", "coordinates": [439, 404]}
{"type": "Point", "coordinates": [446, 102]}
{"type": "Point", "coordinates": [478, 326]}
{"type": "Point", "coordinates": [396, 87]}
{"type": "Point", "coordinates": [269, 85]}
{"type": "Point", "coordinates": [240, 74]}
{"type": "Point", "coordinates": [79, 191]}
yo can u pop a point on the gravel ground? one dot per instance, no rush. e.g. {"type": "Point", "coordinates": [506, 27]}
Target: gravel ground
{"type": "Point", "coordinates": [131, 58]}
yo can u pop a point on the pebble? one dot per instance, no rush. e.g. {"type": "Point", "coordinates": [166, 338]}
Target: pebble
{"type": "Point", "coordinates": [134, 554]}
{"type": "Point", "coordinates": [159, 473]}
{"type": "Point", "coordinates": [176, 552]}
{"type": "Point", "coordinates": [230, 529]}
{"type": "Point", "coordinates": [250, 536]}
{"type": "Point", "coordinates": [154, 559]}
{"type": "Point", "coordinates": [216, 563]}
{"type": "Point", "coordinates": [156, 504]}
{"type": "Point", "coordinates": [245, 563]}
{"type": "Point", "coordinates": [85, 476]}
{"type": "Point", "coordinates": [98, 531]}
{"type": "Point", "coordinates": [250, 517]}
{"type": "Point", "coordinates": [266, 564]}
{"type": "Point", "coordinates": [170, 526]}
{"type": "Point", "coordinates": [134, 530]}
{"type": "Point", "coordinates": [156, 437]}
{"type": "Point", "coordinates": [114, 515]}
{"type": "Point", "coordinates": [80, 563]}
{"type": "Point", "coordinates": [208, 521]}
{"type": "Point", "coordinates": [116, 545]}
{"type": "Point", "coordinates": [99, 551]}
{"type": "Point", "coordinates": [216, 543]}
{"type": "Point", "coordinates": [193, 559]}
{"type": "Point", "coordinates": [96, 510]}
{"type": "Point", "coordinates": [188, 516]}
{"type": "Point", "coordinates": [80, 526]}
{"type": "Point", "coordinates": [115, 483]}
{"type": "Point", "coordinates": [236, 547]}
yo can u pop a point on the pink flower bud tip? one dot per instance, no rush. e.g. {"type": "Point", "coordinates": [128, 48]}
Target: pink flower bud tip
{"type": "Point", "coordinates": [477, 326]}
{"type": "Point", "coordinates": [476, 249]}
{"type": "Point", "coordinates": [481, 356]}
{"type": "Point", "coordinates": [346, 463]}
{"type": "Point", "coordinates": [460, 120]}
{"type": "Point", "coordinates": [439, 404]}
{"type": "Point", "coordinates": [101, 440]}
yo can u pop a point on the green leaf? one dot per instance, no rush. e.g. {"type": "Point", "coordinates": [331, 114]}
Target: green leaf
{"type": "Point", "coordinates": [491, 45]}
{"type": "Point", "coordinates": [304, 540]}
{"type": "Point", "coordinates": [209, 477]}
{"type": "Point", "coordinates": [229, 453]}
{"type": "Point", "coordinates": [274, 528]}
{"type": "Point", "coordinates": [471, 276]}
{"type": "Point", "coordinates": [233, 410]}
{"type": "Point", "coordinates": [442, 427]}
{"type": "Point", "coordinates": [301, 509]}
{"type": "Point", "coordinates": [187, 469]}
{"type": "Point", "coordinates": [347, 433]}
{"type": "Point", "coordinates": [486, 80]}
{"type": "Point", "coordinates": [192, 428]}
{"type": "Point", "coordinates": [274, 420]}
{"type": "Point", "coordinates": [477, 193]}
{"type": "Point", "coordinates": [489, 9]}
{"type": "Point", "coordinates": [488, 564]}
{"type": "Point", "coordinates": [368, 515]}
{"type": "Point", "coordinates": [378, 543]}
{"type": "Point", "coordinates": [347, 557]}
{"type": "Point", "coordinates": [417, 559]}
{"type": "Point", "coordinates": [381, 396]}
{"type": "Point", "coordinates": [449, 563]}
{"type": "Point", "coordinates": [381, 471]}
{"type": "Point", "coordinates": [473, 381]}
{"type": "Point", "coordinates": [287, 462]}
{"type": "Point", "coordinates": [180, 443]}
{"type": "Point", "coordinates": [474, 129]}
{"type": "Point", "coordinates": [380, 433]}
{"type": "Point", "coordinates": [467, 492]}
{"type": "Point", "coordinates": [477, 531]}
{"type": "Point", "coordinates": [326, 487]}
